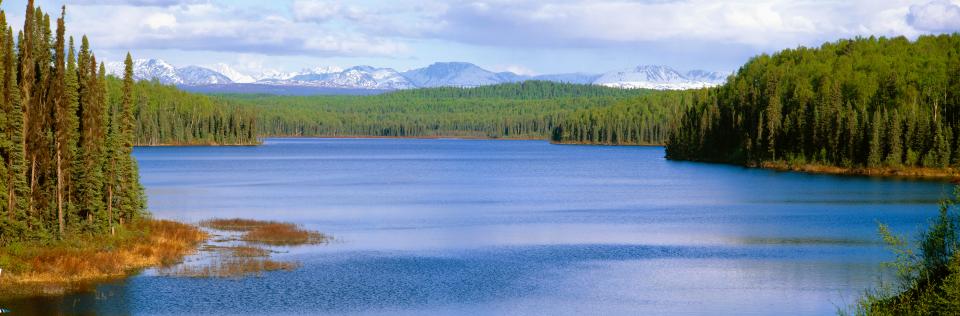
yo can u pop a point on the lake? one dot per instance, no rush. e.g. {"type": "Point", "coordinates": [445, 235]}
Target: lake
{"type": "Point", "coordinates": [518, 227]}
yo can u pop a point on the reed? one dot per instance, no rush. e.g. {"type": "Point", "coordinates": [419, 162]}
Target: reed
{"type": "Point", "coordinates": [268, 232]}
{"type": "Point", "coordinates": [39, 268]}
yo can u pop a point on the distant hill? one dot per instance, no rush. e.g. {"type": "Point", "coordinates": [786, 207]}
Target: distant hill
{"type": "Point", "coordinates": [221, 78]}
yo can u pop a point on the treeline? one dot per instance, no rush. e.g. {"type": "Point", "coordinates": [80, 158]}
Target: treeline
{"type": "Point", "coordinates": [66, 150]}
{"type": "Point", "coordinates": [517, 110]}
{"type": "Point", "coordinates": [644, 120]}
{"type": "Point", "coordinates": [166, 115]}
{"type": "Point", "coordinates": [866, 102]}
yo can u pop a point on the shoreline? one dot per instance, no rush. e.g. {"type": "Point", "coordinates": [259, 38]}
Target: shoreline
{"type": "Point", "coordinates": [79, 263]}
{"type": "Point", "coordinates": [197, 145]}
{"type": "Point", "coordinates": [913, 173]}
{"type": "Point", "coordinates": [410, 137]}
{"type": "Point", "coordinates": [603, 144]}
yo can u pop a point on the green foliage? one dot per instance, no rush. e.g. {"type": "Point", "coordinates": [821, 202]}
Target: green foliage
{"type": "Point", "coordinates": [643, 120]}
{"type": "Point", "coordinates": [878, 102]}
{"type": "Point", "coordinates": [928, 274]}
{"type": "Point", "coordinates": [518, 110]}
{"type": "Point", "coordinates": [165, 115]}
{"type": "Point", "coordinates": [65, 164]}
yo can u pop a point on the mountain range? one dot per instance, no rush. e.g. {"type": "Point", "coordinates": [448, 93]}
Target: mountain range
{"type": "Point", "coordinates": [368, 79]}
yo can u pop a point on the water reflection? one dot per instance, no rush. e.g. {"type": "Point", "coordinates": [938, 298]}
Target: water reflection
{"type": "Point", "coordinates": [520, 227]}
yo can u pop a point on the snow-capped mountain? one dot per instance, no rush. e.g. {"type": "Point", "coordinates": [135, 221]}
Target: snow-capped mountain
{"type": "Point", "coordinates": [707, 76]}
{"type": "Point", "coordinates": [234, 75]}
{"type": "Point", "coordinates": [363, 77]}
{"type": "Point", "coordinates": [444, 74]}
{"type": "Point", "coordinates": [454, 74]}
{"type": "Point", "coordinates": [578, 78]}
{"type": "Point", "coordinates": [201, 76]}
{"type": "Point", "coordinates": [148, 69]}
{"type": "Point", "coordinates": [660, 78]}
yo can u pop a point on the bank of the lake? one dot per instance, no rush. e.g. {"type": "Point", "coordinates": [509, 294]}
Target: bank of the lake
{"type": "Point", "coordinates": [79, 262]}
{"type": "Point", "coordinates": [936, 174]}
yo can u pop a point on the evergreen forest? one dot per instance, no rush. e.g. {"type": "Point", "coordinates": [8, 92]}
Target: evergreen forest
{"type": "Point", "coordinates": [864, 102]}
{"type": "Point", "coordinates": [66, 148]}
{"type": "Point", "coordinates": [516, 110]}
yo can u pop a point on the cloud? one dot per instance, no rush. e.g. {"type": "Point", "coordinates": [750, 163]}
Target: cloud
{"type": "Point", "coordinates": [625, 24]}
{"type": "Point", "coordinates": [148, 3]}
{"type": "Point", "coordinates": [316, 11]}
{"type": "Point", "coordinates": [212, 26]}
{"type": "Point", "coordinates": [935, 16]}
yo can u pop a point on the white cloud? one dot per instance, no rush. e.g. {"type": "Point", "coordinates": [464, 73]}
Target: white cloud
{"type": "Point", "coordinates": [316, 11]}
{"type": "Point", "coordinates": [935, 16]}
{"type": "Point", "coordinates": [211, 26]}
{"type": "Point", "coordinates": [160, 20]}
{"type": "Point", "coordinates": [615, 23]}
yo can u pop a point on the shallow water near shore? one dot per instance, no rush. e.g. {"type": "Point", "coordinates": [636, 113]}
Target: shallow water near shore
{"type": "Point", "coordinates": [446, 226]}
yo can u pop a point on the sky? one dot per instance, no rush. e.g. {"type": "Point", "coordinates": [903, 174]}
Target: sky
{"type": "Point", "coordinates": [526, 37]}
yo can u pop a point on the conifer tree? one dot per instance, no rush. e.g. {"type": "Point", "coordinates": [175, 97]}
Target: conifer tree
{"type": "Point", "coordinates": [876, 148]}
{"type": "Point", "coordinates": [63, 119]}
{"type": "Point", "coordinates": [132, 197]}
{"type": "Point", "coordinates": [71, 124]}
{"type": "Point", "coordinates": [895, 138]}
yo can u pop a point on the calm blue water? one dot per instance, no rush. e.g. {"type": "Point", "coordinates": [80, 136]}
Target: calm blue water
{"type": "Point", "coordinates": [520, 227]}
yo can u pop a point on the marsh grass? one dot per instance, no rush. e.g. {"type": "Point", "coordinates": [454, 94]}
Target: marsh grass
{"type": "Point", "coordinates": [55, 268]}
{"type": "Point", "coordinates": [238, 251]}
{"type": "Point", "coordinates": [231, 267]}
{"type": "Point", "coordinates": [224, 258]}
{"type": "Point", "coordinates": [267, 232]}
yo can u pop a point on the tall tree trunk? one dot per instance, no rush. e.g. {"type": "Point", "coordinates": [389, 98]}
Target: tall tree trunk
{"type": "Point", "coordinates": [59, 194]}
{"type": "Point", "coordinates": [33, 183]}
{"type": "Point", "coordinates": [110, 206]}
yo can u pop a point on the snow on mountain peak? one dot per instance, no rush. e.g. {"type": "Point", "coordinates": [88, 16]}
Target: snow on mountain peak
{"type": "Point", "coordinates": [441, 74]}
{"type": "Point", "coordinates": [233, 74]}
{"type": "Point", "coordinates": [661, 78]}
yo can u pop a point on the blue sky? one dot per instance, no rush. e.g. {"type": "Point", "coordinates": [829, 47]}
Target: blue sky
{"type": "Point", "coordinates": [537, 37]}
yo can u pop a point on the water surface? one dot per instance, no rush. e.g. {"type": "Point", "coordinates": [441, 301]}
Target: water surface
{"type": "Point", "coordinates": [519, 227]}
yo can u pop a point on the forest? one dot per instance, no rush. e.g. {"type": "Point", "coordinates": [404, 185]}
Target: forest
{"type": "Point", "coordinates": [857, 103]}
{"type": "Point", "coordinates": [517, 110]}
{"type": "Point", "coordinates": [166, 115]}
{"type": "Point", "coordinates": [643, 120]}
{"type": "Point", "coordinates": [66, 148]}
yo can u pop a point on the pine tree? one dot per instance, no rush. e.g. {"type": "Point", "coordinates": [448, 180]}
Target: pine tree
{"type": "Point", "coordinates": [17, 189]}
{"type": "Point", "coordinates": [895, 137]}
{"type": "Point", "coordinates": [71, 124]}
{"type": "Point", "coordinates": [63, 119]}
{"type": "Point", "coordinates": [876, 147]}
{"type": "Point", "coordinates": [132, 197]}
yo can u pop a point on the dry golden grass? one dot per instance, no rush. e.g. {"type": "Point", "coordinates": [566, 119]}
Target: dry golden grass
{"type": "Point", "coordinates": [52, 269]}
{"type": "Point", "coordinates": [230, 268]}
{"type": "Point", "coordinates": [283, 234]}
{"type": "Point", "coordinates": [949, 174]}
{"type": "Point", "coordinates": [233, 224]}
{"type": "Point", "coordinates": [268, 232]}
{"type": "Point", "coordinates": [237, 251]}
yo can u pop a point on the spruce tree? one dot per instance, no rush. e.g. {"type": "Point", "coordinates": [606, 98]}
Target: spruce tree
{"type": "Point", "coordinates": [876, 147]}
{"type": "Point", "coordinates": [71, 133]}
{"type": "Point", "coordinates": [63, 120]}
{"type": "Point", "coordinates": [895, 137]}
{"type": "Point", "coordinates": [132, 197]}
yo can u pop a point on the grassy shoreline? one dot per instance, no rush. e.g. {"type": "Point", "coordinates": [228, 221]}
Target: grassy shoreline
{"type": "Point", "coordinates": [35, 269]}
{"type": "Point", "coordinates": [945, 174]}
